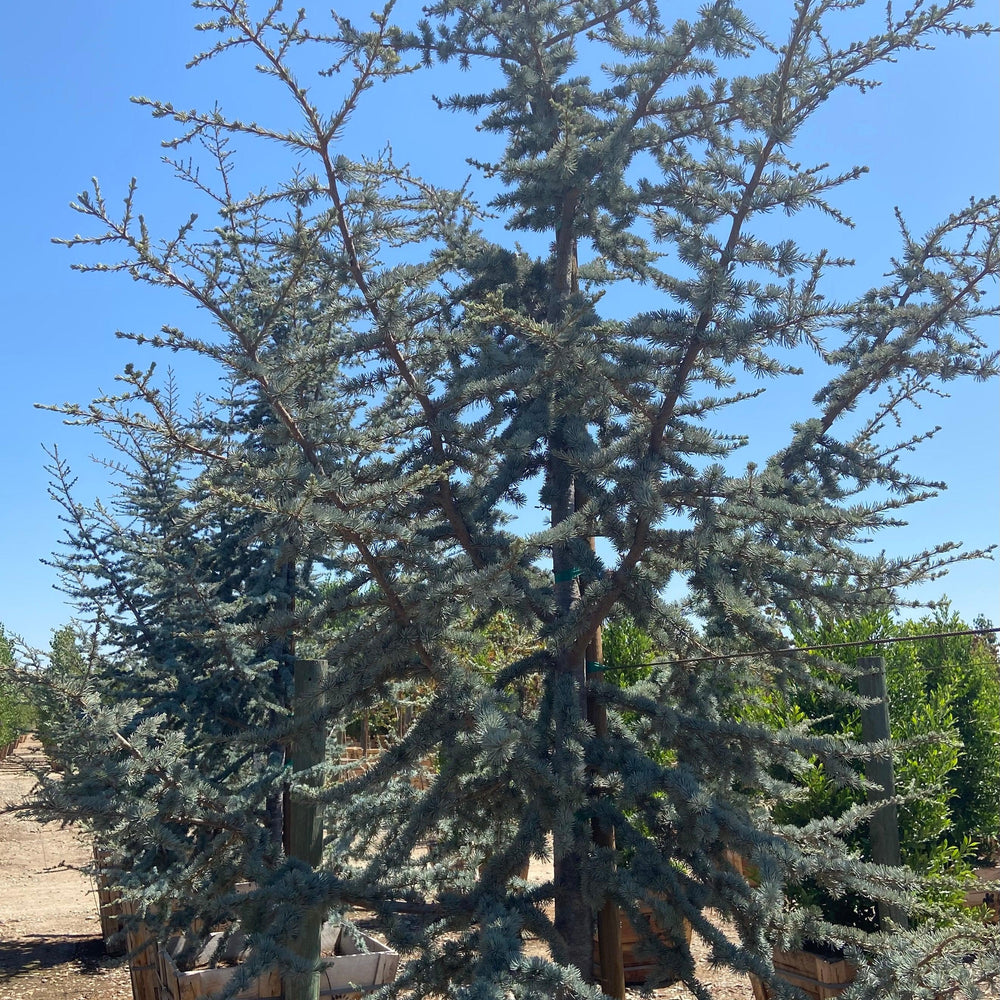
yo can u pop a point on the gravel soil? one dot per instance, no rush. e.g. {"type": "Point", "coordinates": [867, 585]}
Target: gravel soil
{"type": "Point", "coordinates": [50, 935]}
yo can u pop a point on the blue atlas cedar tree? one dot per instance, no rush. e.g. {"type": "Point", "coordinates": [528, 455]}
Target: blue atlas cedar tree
{"type": "Point", "coordinates": [398, 380]}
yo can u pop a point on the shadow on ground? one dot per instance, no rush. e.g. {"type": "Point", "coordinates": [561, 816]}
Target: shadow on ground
{"type": "Point", "coordinates": [39, 952]}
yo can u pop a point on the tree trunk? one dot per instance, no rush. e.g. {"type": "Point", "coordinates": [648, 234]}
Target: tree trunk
{"type": "Point", "coordinates": [283, 651]}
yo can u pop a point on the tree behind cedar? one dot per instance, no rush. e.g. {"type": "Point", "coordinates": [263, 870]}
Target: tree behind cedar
{"type": "Point", "coordinates": [415, 379]}
{"type": "Point", "coordinates": [943, 703]}
{"type": "Point", "coordinates": [17, 713]}
{"type": "Point", "coordinates": [171, 683]}
{"type": "Point", "coordinates": [966, 668]}
{"type": "Point", "coordinates": [944, 685]}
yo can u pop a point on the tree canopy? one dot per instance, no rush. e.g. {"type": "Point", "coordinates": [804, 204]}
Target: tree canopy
{"type": "Point", "coordinates": [397, 380]}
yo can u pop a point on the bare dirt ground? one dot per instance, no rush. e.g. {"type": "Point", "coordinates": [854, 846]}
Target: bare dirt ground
{"type": "Point", "coordinates": [50, 935]}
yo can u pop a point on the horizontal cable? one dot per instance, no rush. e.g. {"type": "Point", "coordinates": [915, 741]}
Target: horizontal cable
{"type": "Point", "coordinates": [808, 649]}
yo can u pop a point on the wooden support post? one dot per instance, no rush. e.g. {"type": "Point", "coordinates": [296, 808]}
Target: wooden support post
{"type": "Point", "coordinates": [574, 922]}
{"type": "Point", "coordinates": [879, 770]}
{"type": "Point", "coordinates": [609, 925]}
{"type": "Point", "coordinates": [305, 822]}
{"type": "Point", "coordinates": [143, 967]}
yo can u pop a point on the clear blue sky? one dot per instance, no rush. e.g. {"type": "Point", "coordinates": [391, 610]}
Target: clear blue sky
{"type": "Point", "coordinates": [929, 135]}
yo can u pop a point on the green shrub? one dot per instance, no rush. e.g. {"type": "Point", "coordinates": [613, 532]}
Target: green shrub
{"type": "Point", "coordinates": [964, 669]}
{"type": "Point", "coordinates": [64, 679]}
{"type": "Point", "coordinates": [16, 713]}
{"type": "Point", "coordinates": [627, 650]}
{"type": "Point", "coordinates": [944, 709]}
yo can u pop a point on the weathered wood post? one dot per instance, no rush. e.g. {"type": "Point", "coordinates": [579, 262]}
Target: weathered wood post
{"type": "Point", "coordinates": [109, 906]}
{"type": "Point", "coordinates": [879, 770]}
{"type": "Point", "coordinates": [609, 928]}
{"type": "Point", "coordinates": [305, 822]}
{"type": "Point", "coordinates": [142, 957]}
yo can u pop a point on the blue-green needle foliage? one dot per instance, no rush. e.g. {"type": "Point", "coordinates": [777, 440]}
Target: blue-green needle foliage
{"type": "Point", "coordinates": [396, 380]}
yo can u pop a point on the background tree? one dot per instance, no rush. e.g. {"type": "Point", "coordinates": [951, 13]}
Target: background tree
{"type": "Point", "coordinates": [611, 414]}
{"type": "Point", "coordinates": [963, 670]}
{"type": "Point", "coordinates": [397, 383]}
{"type": "Point", "coordinates": [944, 701]}
{"type": "Point", "coordinates": [16, 711]}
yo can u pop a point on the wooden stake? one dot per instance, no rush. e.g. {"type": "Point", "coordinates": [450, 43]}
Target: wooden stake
{"type": "Point", "coordinates": [885, 822]}
{"type": "Point", "coordinates": [574, 924]}
{"type": "Point", "coordinates": [609, 927]}
{"type": "Point", "coordinates": [142, 957]}
{"type": "Point", "coordinates": [305, 822]}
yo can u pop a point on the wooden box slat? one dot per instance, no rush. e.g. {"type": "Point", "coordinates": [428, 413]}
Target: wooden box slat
{"type": "Point", "coordinates": [985, 897]}
{"type": "Point", "coordinates": [812, 966]}
{"type": "Point", "coordinates": [818, 977]}
{"type": "Point", "coordinates": [635, 957]}
{"type": "Point", "coordinates": [348, 975]}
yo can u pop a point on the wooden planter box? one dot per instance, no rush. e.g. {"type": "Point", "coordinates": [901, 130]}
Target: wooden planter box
{"type": "Point", "coordinates": [750, 872]}
{"type": "Point", "coordinates": [639, 963]}
{"type": "Point", "coordinates": [8, 748]}
{"type": "Point", "coordinates": [351, 754]}
{"type": "Point", "coordinates": [350, 972]}
{"type": "Point", "coordinates": [143, 963]}
{"type": "Point", "coordinates": [986, 897]}
{"type": "Point", "coordinates": [818, 977]}
{"type": "Point", "coordinates": [109, 908]}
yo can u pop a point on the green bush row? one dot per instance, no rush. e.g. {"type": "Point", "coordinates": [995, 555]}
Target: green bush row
{"type": "Point", "coordinates": [944, 711]}
{"type": "Point", "coordinates": [16, 712]}
{"type": "Point", "coordinates": [937, 687]}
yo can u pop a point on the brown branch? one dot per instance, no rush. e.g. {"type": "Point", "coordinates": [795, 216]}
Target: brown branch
{"type": "Point", "coordinates": [601, 608]}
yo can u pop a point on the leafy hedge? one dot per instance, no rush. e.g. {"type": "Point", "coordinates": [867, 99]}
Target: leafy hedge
{"type": "Point", "coordinates": [944, 709]}
{"type": "Point", "coordinates": [16, 713]}
{"type": "Point", "coordinates": [964, 670]}
{"type": "Point", "coordinates": [948, 687]}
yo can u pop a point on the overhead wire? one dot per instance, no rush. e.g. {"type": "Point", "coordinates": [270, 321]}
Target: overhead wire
{"type": "Point", "coordinates": [888, 640]}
